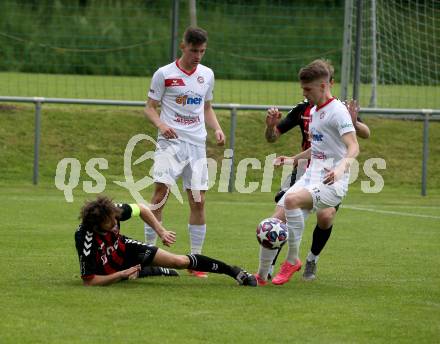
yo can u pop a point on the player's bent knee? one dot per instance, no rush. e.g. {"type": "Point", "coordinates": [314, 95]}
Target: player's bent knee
{"type": "Point", "coordinates": [291, 201]}
{"type": "Point", "coordinates": [180, 262]}
{"type": "Point", "coordinates": [198, 207]}
{"type": "Point", "coordinates": [325, 217]}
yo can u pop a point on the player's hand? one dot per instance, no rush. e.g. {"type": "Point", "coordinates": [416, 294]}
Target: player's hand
{"type": "Point", "coordinates": [131, 273]}
{"type": "Point", "coordinates": [273, 117]}
{"type": "Point", "coordinates": [167, 132]}
{"type": "Point", "coordinates": [353, 108]}
{"type": "Point", "coordinates": [220, 137]}
{"type": "Point", "coordinates": [168, 237]}
{"type": "Point", "coordinates": [284, 160]}
{"type": "Point", "coordinates": [333, 175]}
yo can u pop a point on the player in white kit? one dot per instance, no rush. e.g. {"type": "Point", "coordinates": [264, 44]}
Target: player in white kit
{"type": "Point", "coordinates": [325, 182]}
{"type": "Point", "coordinates": [184, 88]}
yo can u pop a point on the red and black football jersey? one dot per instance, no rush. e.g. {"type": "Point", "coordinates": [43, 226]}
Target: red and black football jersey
{"type": "Point", "coordinates": [103, 253]}
{"type": "Point", "coordinates": [298, 116]}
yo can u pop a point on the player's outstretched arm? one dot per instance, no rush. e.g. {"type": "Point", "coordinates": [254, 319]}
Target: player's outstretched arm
{"type": "Point", "coordinates": [212, 122]}
{"type": "Point", "coordinates": [292, 160]}
{"type": "Point", "coordinates": [151, 113]}
{"type": "Point", "coordinates": [101, 280]}
{"type": "Point", "coordinates": [168, 237]}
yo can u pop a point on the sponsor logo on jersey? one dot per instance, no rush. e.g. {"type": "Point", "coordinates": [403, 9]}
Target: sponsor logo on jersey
{"type": "Point", "coordinates": [319, 155]}
{"type": "Point", "coordinates": [200, 79]}
{"type": "Point", "coordinates": [316, 135]}
{"type": "Point", "coordinates": [187, 100]}
{"type": "Point", "coordinates": [174, 82]}
{"type": "Point", "coordinates": [186, 120]}
{"type": "Point", "coordinates": [346, 125]}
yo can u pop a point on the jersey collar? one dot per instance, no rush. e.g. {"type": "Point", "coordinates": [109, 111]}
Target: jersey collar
{"type": "Point", "coordinates": [184, 71]}
{"type": "Point", "coordinates": [326, 103]}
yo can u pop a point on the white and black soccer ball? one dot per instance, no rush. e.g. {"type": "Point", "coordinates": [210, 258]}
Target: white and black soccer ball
{"type": "Point", "coordinates": [272, 233]}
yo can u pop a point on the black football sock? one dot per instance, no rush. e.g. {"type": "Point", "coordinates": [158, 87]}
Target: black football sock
{"type": "Point", "coordinates": [320, 237]}
{"type": "Point", "coordinates": [149, 271]}
{"type": "Point", "coordinates": [203, 263]}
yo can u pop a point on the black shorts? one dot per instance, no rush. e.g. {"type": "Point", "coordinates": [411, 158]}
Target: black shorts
{"type": "Point", "coordinates": [137, 252]}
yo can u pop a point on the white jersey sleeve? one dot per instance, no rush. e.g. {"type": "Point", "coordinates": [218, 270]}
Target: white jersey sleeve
{"type": "Point", "coordinates": [210, 92]}
{"type": "Point", "coordinates": [157, 87]}
{"type": "Point", "coordinates": [342, 121]}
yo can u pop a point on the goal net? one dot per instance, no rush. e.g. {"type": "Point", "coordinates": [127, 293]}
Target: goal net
{"type": "Point", "coordinates": [400, 55]}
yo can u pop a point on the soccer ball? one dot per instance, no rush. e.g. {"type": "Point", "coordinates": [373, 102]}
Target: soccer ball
{"type": "Point", "coordinates": [272, 233]}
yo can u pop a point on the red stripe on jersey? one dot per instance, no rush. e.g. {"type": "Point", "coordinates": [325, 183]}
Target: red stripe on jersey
{"type": "Point", "coordinates": [174, 82]}
{"type": "Point", "coordinates": [306, 119]}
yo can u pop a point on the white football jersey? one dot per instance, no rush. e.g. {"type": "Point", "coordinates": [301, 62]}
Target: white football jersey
{"type": "Point", "coordinates": [328, 123]}
{"type": "Point", "coordinates": [183, 97]}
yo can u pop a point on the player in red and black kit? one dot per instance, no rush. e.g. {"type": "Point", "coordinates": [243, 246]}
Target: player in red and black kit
{"type": "Point", "coordinates": [106, 256]}
{"type": "Point", "coordinates": [300, 116]}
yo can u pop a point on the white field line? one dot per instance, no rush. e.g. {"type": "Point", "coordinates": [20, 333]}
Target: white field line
{"type": "Point", "coordinates": [390, 212]}
{"type": "Point", "coordinates": [351, 207]}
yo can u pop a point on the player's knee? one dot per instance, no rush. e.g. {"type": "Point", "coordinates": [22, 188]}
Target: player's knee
{"type": "Point", "coordinates": [159, 195]}
{"type": "Point", "coordinates": [196, 197]}
{"type": "Point", "coordinates": [197, 204]}
{"type": "Point", "coordinates": [291, 201]}
{"type": "Point", "coordinates": [180, 262]}
{"type": "Point", "coordinates": [325, 218]}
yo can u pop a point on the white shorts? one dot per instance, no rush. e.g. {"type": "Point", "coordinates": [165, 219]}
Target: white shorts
{"type": "Point", "coordinates": [323, 195]}
{"type": "Point", "coordinates": [175, 158]}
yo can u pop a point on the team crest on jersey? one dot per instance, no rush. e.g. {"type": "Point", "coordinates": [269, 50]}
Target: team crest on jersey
{"type": "Point", "coordinates": [322, 115]}
{"type": "Point", "coordinates": [174, 82]}
{"type": "Point", "coordinates": [200, 79]}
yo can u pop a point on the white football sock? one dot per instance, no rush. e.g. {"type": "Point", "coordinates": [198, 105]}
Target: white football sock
{"type": "Point", "coordinates": [312, 257]}
{"type": "Point", "coordinates": [266, 258]}
{"type": "Point", "coordinates": [295, 225]}
{"type": "Point", "coordinates": [197, 236]}
{"type": "Point", "coordinates": [150, 235]}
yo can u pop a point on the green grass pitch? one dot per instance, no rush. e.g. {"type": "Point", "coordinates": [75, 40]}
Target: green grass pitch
{"type": "Point", "coordinates": [377, 281]}
{"type": "Point", "coordinates": [378, 278]}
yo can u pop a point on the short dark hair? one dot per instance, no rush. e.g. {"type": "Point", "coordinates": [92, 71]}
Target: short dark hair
{"type": "Point", "coordinates": [94, 213]}
{"type": "Point", "coordinates": [315, 70]}
{"type": "Point", "coordinates": [195, 36]}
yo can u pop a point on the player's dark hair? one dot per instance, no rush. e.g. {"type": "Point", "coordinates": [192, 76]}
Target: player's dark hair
{"type": "Point", "coordinates": [96, 212]}
{"type": "Point", "coordinates": [195, 36]}
{"type": "Point", "coordinates": [316, 70]}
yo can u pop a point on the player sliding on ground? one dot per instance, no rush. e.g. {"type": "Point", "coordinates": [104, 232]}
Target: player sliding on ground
{"type": "Point", "coordinates": [325, 182]}
{"type": "Point", "coordinates": [106, 256]}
